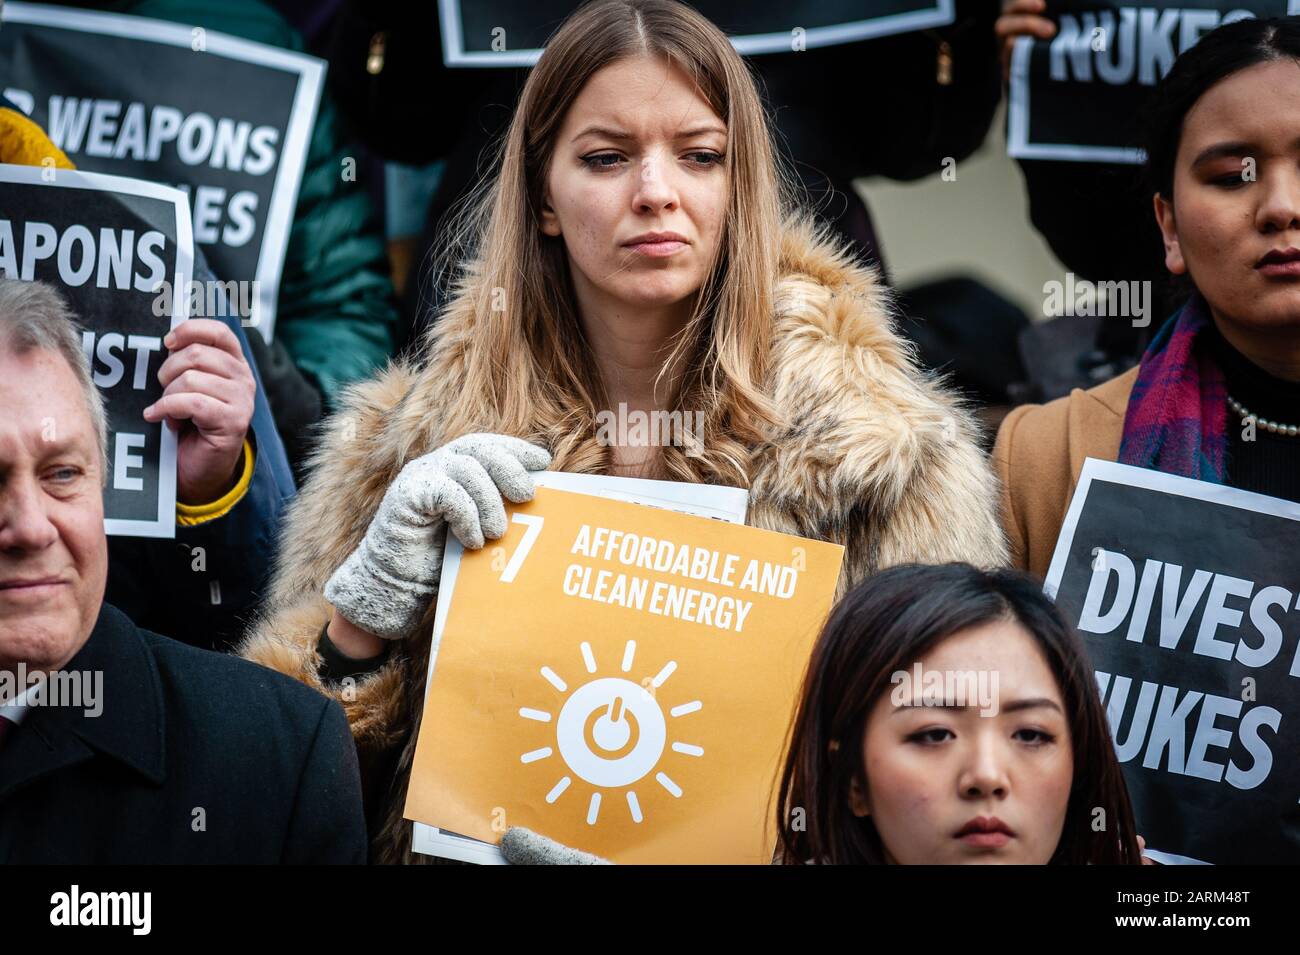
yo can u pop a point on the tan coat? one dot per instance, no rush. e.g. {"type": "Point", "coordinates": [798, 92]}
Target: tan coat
{"type": "Point", "coordinates": [872, 455]}
{"type": "Point", "coordinates": [1039, 453]}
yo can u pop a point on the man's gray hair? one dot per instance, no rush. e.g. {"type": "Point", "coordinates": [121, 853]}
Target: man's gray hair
{"type": "Point", "coordinates": [33, 315]}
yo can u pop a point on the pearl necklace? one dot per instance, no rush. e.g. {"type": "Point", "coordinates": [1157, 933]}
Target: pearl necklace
{"type": "Point", "coordinates": [1273, 427]}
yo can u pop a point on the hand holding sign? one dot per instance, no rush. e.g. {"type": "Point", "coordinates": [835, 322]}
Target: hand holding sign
{"type": "Point", "coordinates": [387, 583]}
{"type": "Point", "coordinates": [208, 384]}
{"type": "Point", "coordinates": [1076, 93]}
{"type": "Point", "coordinates": [1021, 18]}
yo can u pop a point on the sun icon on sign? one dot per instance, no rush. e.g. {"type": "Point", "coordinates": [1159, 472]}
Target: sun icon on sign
{"type": "Point", "coordinates": [611, 732]}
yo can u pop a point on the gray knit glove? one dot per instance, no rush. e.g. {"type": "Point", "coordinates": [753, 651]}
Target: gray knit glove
{"type": "Point", "coordinates": [522, 846]}
{"type": "Point", "coordinates": [387, 583]}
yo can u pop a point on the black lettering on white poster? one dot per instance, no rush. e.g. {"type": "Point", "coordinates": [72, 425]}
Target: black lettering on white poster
{"type": "Point", "coordinates": [1187, 595]}
{"type": "Point", "coordinates": [120, 253]}
{"type": "Point", "coordinates": [1078, 95]}
{"type": "Point", "coordinates": [226, 120]}
{"type": "Point", "coordinates": [496, 33]}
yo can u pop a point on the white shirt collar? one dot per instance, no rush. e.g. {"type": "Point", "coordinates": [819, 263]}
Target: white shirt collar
{"type": "Point", "coordinates": [16, 709]}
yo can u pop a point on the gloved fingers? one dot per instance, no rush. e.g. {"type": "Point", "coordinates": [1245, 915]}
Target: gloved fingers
{"type": "Point", "coordinates": [514, 481]}
{"type": "Point", "coordinates": [532, 457]}
{"type": "Point", "coordinates": [408, 548]}
{"type": "Point", "coordinates": [413, 498]}
{"type": "Point", "coordinates": [474, 478]}
{"type": "Point", "coordinates": [447, 499]}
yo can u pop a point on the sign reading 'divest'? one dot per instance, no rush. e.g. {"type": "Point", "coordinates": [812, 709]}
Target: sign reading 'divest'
{"type": "Point", "coordinates": [226, 120]}
{"type": "Point", "coordinates": [1188, 597]}
{"type": "Point", "coordinates": [498, 33]}
{"type": "Point", "coordinates": [110, 245]}
{"type": "Point", "coordinates": [621, 678]}
{"type": "Point", "coordinates": [1078, 95]}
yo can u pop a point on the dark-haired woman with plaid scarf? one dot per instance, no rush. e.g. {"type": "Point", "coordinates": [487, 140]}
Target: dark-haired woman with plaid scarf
{"type": "Point", "coordinates": [1216, 396]}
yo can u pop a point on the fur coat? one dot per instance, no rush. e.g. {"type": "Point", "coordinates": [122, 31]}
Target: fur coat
{"type": "Point", "coordinates": [872, 454]}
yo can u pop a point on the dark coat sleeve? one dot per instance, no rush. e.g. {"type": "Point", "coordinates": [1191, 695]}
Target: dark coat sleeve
{"type": "Point", "coordinates": [202, 586]}
{"type": "Point", "coordinates": [327, 826]}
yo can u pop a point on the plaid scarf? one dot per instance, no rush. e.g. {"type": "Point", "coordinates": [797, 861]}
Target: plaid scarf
{"type": "Point", "coordinates": [1178, 412]}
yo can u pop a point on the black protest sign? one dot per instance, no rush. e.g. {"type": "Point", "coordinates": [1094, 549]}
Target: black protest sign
{"type": "Point", "coordinates": [496, 33]}
{"type": "Point", "coordinates": [121, 254]}
{"type": "Point", "coordinates": [1187, 595]}
{"type": "Point", "coordinates": [226, 120]}
{"type": "Point", "coordinates": [1078, 96]}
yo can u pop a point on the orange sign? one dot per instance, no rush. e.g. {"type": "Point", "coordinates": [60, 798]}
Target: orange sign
{"type": "Point", "coordinates": [621, 679]}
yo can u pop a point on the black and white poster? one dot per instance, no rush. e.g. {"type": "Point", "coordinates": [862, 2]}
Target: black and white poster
{"type": "Point", "coordinates": [1077, 96]}
{"type": "Point", "coordinates": [226, 120]}
{"type": "Point", "coordinates": [496, 33]}
{"type": "Point", "coordinates": [121, 254]}
{"type": "Point", "coordinates": [1187, 595]}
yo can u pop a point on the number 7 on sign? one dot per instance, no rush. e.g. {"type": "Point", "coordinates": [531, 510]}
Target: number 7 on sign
{"type": "Point", "coordinates": [534, 524]}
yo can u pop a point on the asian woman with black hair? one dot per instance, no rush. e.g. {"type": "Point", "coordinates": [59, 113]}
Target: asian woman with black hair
{"type": "Point", "coordinates": [949, 715]}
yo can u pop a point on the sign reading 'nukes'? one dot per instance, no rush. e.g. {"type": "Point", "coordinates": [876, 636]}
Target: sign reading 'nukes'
{"type": "Point", "coordinates": [1078, 95]}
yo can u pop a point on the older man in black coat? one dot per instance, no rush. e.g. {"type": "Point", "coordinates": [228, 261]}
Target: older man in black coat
{"type": "Point", "coordinates": [116, 744]}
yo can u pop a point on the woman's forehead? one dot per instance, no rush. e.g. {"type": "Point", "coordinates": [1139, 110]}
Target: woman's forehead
{"type": "Point", "coordinates": [1258, 105]}
{"type": "Point", "coordinates": [641, 97]}
{"type": "Point", "coordinates": [1001, 646]}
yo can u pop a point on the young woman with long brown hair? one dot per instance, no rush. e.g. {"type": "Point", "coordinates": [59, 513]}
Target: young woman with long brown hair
{"type": "Point", "coordinates": [636, 250]}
